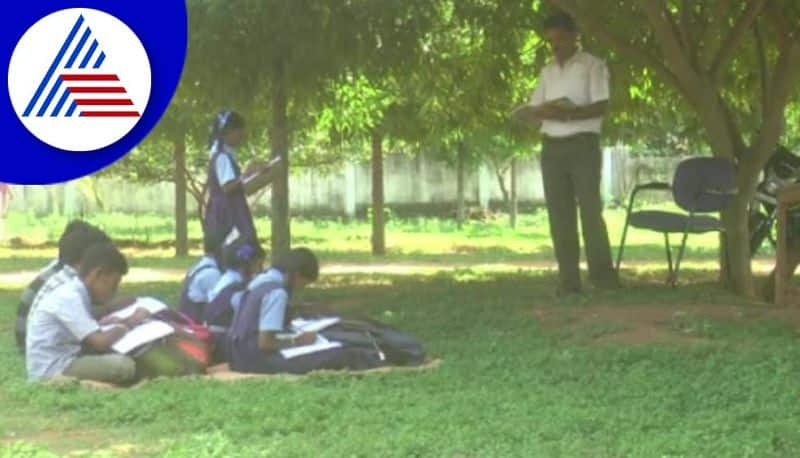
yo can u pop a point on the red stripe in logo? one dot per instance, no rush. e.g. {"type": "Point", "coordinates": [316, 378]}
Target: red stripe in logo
{"type": "Point", "coordinates": [110, 114]}
{"type": "Point", "coordinates": [90, 77]}
{"type": "Point", "coordinates": [101, 102]}
{"type": "Point", "coordinates": [97, 90]}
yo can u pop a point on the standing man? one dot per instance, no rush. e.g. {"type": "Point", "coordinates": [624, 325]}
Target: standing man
{"type": "Point", "coordinates": [570, 100]}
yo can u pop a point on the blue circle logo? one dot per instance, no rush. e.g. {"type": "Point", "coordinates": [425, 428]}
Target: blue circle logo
{"type": "Point", "coordinates": [86, 85]}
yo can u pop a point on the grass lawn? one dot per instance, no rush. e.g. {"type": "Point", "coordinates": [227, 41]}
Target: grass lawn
{"type": "Point", "coordinates": [647, 371]}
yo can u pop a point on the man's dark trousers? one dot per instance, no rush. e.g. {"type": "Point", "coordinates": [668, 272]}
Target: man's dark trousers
{"type": "Point", "coordinates": [571, 172]}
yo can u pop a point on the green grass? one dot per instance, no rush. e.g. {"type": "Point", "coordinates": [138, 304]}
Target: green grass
{"type": "Point", "coordinates": [418, 240]}
{"type": "Point", "coordinates": [511, 384]}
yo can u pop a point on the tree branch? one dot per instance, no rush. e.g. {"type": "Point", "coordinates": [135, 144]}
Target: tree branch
{"type": "Point", "coordinates": [733, 130]}
{"type": "Point", "coordinates": [734, 37]}
{"type": "Point", "coordinates": [196, 189]}
{"type": "Point", "coordinates": [711, 38]}
{"type": "Point", "coordinates": [684, 29]}
{"type": "Point", "coordinates": [669, 42]}
{"type": "Point", "coordinates": [723, 136]}
{"type": "Point", "coordinates": [600, 31]}
{"type": "Point", "coordinates": [785, 74]}
{"type": "Point", "coordinates": [763, 70]}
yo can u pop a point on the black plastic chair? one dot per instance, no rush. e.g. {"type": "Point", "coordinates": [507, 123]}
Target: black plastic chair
{"type": "Point", "coordinates": [700, 185]}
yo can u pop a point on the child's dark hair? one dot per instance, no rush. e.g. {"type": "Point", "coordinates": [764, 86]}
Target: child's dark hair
{"type": "Point", "coordinates": [72, 246]}
{"type": "Point", "coordinates": [74, 225]}
{"type": "Point", "coordinates": [560, 20]}
{"type": "Point", "coordinates": [105, 257]}
{"type": "Point", "coordinates": [224, 122]}
{"type": "Point", "coordinates": [299, 261]}
{"type": "Point", "coordinates": [239, 254]}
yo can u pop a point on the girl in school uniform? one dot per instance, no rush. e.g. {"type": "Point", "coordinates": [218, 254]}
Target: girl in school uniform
{"type": "Point", "coordinates": [257, 335]}
{"type": "Point", "coordinates": [242, 260]}
{"type": "Point", "coordinates": [227, 203]}
{"type": "Point", "coordinates": [201, 279]}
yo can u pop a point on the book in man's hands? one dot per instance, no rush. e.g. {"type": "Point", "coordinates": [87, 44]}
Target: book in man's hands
{"type": "Point", "coordinates": [260, 176]}
{"type": "Point", "coordinates": [565, 103]}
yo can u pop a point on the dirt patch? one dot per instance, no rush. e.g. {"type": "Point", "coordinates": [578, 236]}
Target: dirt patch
{"type": "Point", "coordinates": [223, 373]}
{"type": "Point", "coordinates": [645, 324]}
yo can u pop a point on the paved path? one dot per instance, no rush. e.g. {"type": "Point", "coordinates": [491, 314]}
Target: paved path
{"type": "Point", "coordinates": [146, 275]}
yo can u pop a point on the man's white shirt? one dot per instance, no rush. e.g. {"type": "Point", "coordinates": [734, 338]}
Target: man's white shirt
{"type": "Point", "coordinates": [584, 79]}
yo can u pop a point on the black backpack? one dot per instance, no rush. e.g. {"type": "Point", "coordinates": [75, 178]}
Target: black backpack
{"type": "Point", "coordinates": [397, 348]}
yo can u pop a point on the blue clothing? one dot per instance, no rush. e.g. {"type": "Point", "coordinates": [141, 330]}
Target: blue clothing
{"type": "Point", "coordinates": [272, 311]}
{"type": "Point", "coordinates": [204, 276]}
{"type": "Point", "coordinates": [226, 210]}
{"type": "Point", "coordinates": [224, 169]}
{"type": "Point", "coordinates": [242, 338]}
{"type": "Point", "coordinates": [228, 278]}
{"type": "Point", "coordinates": [198, 282]}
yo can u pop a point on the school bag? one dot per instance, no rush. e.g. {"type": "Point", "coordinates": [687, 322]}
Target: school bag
{"type": "Point", "coordinates": [185, 352]}
{"type": "Point", "coordinates": [394, 347]}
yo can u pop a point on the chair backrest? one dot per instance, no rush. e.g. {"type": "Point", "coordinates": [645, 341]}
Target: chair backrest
{"type": "Point", "coordinates": [704, 184]}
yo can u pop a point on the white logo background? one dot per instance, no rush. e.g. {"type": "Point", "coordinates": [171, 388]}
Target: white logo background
{"type": "Point", "coordinates": [33, 56]}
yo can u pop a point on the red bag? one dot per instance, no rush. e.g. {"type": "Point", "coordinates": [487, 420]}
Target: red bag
{"type": "Point", "coordinates": [188, 351]}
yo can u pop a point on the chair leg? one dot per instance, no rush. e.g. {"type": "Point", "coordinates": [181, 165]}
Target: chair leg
{"type": "Point", "coordinates": [622, 242]}
{"type": "Point", "coordinates": [668, 249]}
{"type": "Point", "coordinates": [680, 256]}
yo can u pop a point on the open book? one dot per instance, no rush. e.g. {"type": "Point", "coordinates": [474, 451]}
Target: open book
{"type": "Point", "coordinates": [152, 305]}
{"type": "Point", "coordinates": [564, 103]}
{"type": "Point", "coordinates": [302, 325]}
{"type": "Point", "coordinates": [144, 333]}
{"type": "Point", "coordinates": [256, 179]}
{"type": "Point", "coordinates": [524, 113]}
{"type": "Point", "coordinates": [319, 345]}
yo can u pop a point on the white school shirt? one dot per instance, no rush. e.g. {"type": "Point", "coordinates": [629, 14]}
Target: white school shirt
{"type": "Point", "coordinates": [56, 328]}
{"type": "Point", "coordinates": [273, 305]}
{"type": "Point", "coordinates": [583, 79]}
{"type": "Point", "coordinates": [222, 165]}
{"type": "Point", "coordinates": [202, 283]}
{"type": "Point", "coordinates": [67, 273]}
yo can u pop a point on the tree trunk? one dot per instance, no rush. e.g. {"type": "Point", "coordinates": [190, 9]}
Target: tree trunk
{"type": "Point", "coordinates": [279, 135]}
{"type": "Point", "coordinates": [460, 206]}
{"type": "Point", "coordinates": [198, 192]}
{"type": "Point", "coordinates": [501, 180]}
{"type": "Point", "coordinates": [512, 212]}
{"type": "Point", "coordinates": [181, 217]}
{"type": "Point", "coordinates": [378, 222]}
{"type": "Point", "coordinates": [736, 272]}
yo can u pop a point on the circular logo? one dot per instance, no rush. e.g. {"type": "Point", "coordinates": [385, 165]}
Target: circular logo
{"type": "Point", "coordinates": [87, 82]}
{"type": "Point", "coordinates": [79, 79]}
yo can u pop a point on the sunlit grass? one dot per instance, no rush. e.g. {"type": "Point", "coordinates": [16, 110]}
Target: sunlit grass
{"type": "Point", "coordinates": [415, 238]}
